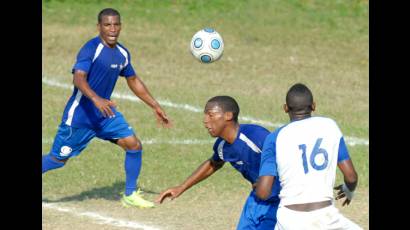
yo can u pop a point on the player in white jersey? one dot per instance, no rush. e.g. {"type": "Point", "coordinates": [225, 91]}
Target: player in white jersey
{"type": "Point", "coordinates": [304, 154]}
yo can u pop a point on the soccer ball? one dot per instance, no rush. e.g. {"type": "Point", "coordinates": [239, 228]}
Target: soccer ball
{"type": "Point", "coordinates": [207, 45]}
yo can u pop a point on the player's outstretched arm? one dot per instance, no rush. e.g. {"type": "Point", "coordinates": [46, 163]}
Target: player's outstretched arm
{"type": "Point", "coordinates": [140, 90]}
{"type": "Point", "coordinates": [350, 182]}
{"type": "Point", "coordinates": [206, 169]}
{"type": "Point", "coordinates": [104, 105]}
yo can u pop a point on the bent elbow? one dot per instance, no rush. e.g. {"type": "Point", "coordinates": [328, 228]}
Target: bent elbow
{"type": "Point", "coordinates": [262, 194]}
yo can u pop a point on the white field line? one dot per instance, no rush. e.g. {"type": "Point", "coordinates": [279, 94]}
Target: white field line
{"type": "Point", "coordinates": [100, 219]}
{"type": "Point", "coordinates": [350, 140]}
{"type": "Point", "coordinates": [49, 140]}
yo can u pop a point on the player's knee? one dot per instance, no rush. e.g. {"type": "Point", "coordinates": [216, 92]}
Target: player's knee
{"type": "Point", "coordinates": [130, 143]}
{"type": "Point", "coordinates": [136, 145]}
{"type": "Point", "coordinates": [133, 144]}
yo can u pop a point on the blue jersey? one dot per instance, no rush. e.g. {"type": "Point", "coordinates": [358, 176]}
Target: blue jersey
{"type": "Point", "coordinates": [244, 154]}
{"type": "Point", "coordinates": [103, 65]}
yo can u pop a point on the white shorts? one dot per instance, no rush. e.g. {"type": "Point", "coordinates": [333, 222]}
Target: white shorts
{"type": "Point", "coordinates": [324, 218]}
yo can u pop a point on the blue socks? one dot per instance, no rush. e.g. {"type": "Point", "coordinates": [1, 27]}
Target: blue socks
{"type": "Point", "coordinates": [132, 165]}
{"type": "Point", "coordinates": [48, 163]}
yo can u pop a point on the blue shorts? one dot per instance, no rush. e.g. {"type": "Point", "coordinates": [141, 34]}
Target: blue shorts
{"type": "Point", "coordinates": [70, 141]}
{"type": "Point", "coordinates": [258, 214]}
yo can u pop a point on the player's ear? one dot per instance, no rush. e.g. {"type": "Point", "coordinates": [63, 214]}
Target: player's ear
{"type": "Point", "coordinates": [313, 107]}
{"type": "Point", "coordinates": [286, 108]}
{"type": "Point", "coordinates": [228, 116]}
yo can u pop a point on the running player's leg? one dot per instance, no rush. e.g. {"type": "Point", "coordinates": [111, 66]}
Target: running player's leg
{"type": "Point", "coordinates": [132, 165]}
{"type": "Point", "coordinates": [118, 131]}
{"type": "Point", "coordinates": [132, 162]}
{"type": "Point", "coordinates": [68, 142]}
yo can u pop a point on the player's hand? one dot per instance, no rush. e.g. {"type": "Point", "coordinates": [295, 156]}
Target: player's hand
{"type": "Point", "coordinates": [162, 118]}
{"type": "Point", "coordinates": [171, 193]}
{"type": "Point", "coordinates": [343, 192]}
{"type": "Point", "coordinates": [104, 106]}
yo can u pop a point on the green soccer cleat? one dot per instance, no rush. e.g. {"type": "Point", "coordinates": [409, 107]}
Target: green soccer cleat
{"type": "Point", "coordinates": [136, 200]}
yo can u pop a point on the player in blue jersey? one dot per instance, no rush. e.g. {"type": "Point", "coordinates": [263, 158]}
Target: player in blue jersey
{"type": "Point", "coordinates": [240, 145]}
{"type": "Point", "coordinates": [304, 154]}
{"type": "Point", "coordinates": [91, 113]}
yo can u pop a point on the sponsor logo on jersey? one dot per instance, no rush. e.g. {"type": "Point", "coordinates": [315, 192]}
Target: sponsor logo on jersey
{"type": "Point", "coordinates": [120, 66]}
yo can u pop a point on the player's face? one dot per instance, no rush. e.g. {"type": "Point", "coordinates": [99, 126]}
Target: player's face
{"type": "Point", "coordinates": [109, 28]}
{"type": "Point", "coordinates": [214, 119]}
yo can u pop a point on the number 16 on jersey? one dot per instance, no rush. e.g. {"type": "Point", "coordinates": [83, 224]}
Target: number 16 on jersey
{"type": "Point", "coordinates": [317, 152]}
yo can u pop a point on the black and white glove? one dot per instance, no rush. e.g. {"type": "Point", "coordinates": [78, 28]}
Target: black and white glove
{"type": "Point", "coordinates": [349, 194]}
{"type": "Point", "coordinates": [344, 191]}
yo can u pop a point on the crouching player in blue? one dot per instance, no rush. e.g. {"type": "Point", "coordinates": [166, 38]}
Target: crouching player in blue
{"type": "Point", "coordinates": [90, 113]}
{"type": "Point", "coordinates": [240, 145]}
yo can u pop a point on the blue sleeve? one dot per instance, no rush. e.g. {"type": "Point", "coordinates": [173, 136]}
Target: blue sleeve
{"type": "Point", "coordinates": [343, 153]}
{"type": "Point", "coordinates": [215, 156]}
{"type": "Point", "coordinates": [268, 165]}
{"type": "Point", "coordinates": [84, 59]}
{"type": "Point", "coordinates": [128, 70]}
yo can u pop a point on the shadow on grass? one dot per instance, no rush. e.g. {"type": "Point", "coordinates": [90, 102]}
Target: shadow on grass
{"type": "Point", "coordinates": [113, 192]}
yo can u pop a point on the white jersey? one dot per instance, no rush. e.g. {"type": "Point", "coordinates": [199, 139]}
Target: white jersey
{"type": "Point", "coordinates": [304, 154]}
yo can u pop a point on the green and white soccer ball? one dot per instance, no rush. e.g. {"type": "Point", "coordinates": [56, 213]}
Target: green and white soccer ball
{"type": "Point", "coordinates": [207, 45]}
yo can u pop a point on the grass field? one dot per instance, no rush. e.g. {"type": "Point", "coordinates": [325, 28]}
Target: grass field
{"type": "Point", "coordinates": [269, 45]}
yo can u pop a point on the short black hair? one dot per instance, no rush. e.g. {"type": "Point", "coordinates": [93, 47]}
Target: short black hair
{"type": "Point", "coordinates": [299, 99]}
{"type": "Point", "coordinates": [108, 12]}
{"type": "Point", "coordinates": [227, 104]}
